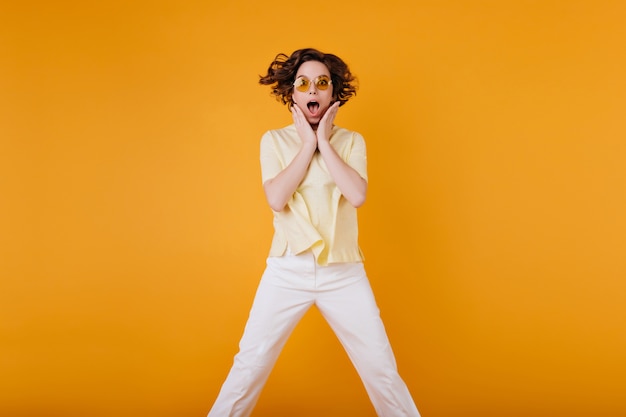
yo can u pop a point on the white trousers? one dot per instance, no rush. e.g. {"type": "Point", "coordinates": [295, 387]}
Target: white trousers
{"type": "Point", "coordinates": [289, 287]}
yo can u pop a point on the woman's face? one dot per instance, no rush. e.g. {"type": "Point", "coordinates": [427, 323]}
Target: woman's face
{"type": "Point", "coordinates": [315, 100]}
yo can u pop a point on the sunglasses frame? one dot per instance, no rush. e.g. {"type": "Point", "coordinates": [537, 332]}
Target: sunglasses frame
{"type": "Point", "coordinates": [305, 84]}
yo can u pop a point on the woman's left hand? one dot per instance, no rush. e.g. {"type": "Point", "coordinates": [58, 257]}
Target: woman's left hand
{"type": "Point", "coordinates": [304, 129]}
{"type": "Point", "coordinates": [325, 127]}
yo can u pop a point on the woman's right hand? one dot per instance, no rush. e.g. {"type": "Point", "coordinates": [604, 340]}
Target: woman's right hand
{"type": "Point", "coordinates": [280, 189]}
{"type": "Point", "coordinates": [303, 127]}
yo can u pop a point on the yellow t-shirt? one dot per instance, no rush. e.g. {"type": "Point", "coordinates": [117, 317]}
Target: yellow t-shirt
{"type": "Point", "coordinates": [317, 217]}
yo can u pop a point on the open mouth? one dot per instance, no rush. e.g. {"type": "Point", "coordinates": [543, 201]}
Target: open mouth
{"type": "Point", "coordinates": [313, 107]}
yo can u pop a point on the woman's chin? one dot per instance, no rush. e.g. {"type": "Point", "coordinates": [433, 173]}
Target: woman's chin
{"type": "Point", "coordinates": [315, 119]}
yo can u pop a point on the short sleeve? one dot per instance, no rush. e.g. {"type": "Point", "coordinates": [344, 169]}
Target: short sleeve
{"type": "Point", "coordinates": [358, 155]}
{"type": "Point", "coordinates": [270, 163]}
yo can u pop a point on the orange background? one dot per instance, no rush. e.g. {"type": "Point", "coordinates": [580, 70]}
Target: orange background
{"type": "Point", "coordinates": [134, 228]}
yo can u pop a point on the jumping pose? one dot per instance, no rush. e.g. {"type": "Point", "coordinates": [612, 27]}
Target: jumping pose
{"type": "Point", "coordinates": [315, 177]}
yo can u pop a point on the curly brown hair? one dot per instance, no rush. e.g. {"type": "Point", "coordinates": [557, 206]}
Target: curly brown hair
{"type": "Point", "coordinates": [281, 74]}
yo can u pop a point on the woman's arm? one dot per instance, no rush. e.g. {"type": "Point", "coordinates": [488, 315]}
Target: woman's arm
{"type": "Point", "coordinates": [350, 183]}
{"type": "Point", "coordinates": [279, 189]}
{"type": "Point", "coordinates": [348, 180]}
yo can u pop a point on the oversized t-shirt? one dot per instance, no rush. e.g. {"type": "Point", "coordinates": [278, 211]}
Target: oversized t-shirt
{"type": "Point", "coordinates": [317, 217]}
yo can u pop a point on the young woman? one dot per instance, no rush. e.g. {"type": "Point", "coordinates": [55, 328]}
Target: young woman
{"type": "Point", "coordinates": [314, 176]}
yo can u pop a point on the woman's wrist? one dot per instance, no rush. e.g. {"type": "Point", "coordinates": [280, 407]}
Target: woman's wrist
{"type": "Point", "coordinates": [323, 143]}
{"type": "Point", "coordinates": [308, 147]}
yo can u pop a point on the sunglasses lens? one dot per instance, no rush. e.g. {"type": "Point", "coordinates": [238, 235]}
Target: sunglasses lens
{"type": "Point", "coordinates": [302, 84]}
{"type": "Point", "coordinates": [322, 83]}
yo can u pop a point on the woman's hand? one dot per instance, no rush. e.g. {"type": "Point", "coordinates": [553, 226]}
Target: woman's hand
{"type": "Point", "coordinates": [325, 127]}
{"type": "Point", "coordinates": [352, 186]}
{"type": "Point", "coordinates": [304, 129]}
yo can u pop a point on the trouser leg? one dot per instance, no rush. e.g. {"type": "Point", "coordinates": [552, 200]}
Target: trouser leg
{"type": "Point", "coordinates": [354, 316]}
{"type": "Point", "coordinates": [275, 312]}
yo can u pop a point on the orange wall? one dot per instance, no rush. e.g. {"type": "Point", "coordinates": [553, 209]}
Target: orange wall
{"type": "Point", "coordinates": [134, 228]}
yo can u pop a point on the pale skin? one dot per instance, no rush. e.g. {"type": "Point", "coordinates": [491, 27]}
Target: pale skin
{"type": "Point", "coordinates": [314, 129]}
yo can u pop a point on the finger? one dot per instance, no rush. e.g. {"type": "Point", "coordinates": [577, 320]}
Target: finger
{"type": "Point", "coordinates": [334, 107]}
{"type": "Point", "coordinates": [297, 113]}
{"type": "Point", "coordinates": [331, 113]}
